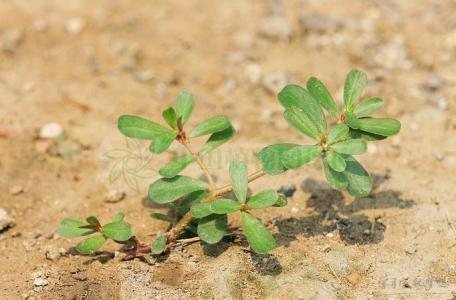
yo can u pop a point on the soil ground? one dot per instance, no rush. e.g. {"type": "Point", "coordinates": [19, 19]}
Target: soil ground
{"type": "Point", "coordinates": [81, 64]}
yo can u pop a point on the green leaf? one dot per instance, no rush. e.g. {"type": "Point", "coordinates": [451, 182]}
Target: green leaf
{"type": "Point", "coordinates": [212, 125]}
{"type": "Point", "coordinates": [161, 217]}
{"type": "Point", "coordinates": [298, 119]}
{"type": "Point", "coordinates": [319, 91]}
{"type": "Point", "coordinates": [355, 83]}
{"type": "Point", "coordinates": [335, 161]}
{"type": "Point", "coordinates": [359, 181]}
{"type": "Point", "coordinates": [72, 228]}
{"type": "Point", "coordinates": [297, 97]}
{"type": "Point", "coordinates": [224, 206]}
{"type": "Point", "coordinates": [162, 142]}
{"type": "Point", "coordinates": [368, 106]}
{"type": "Point", "coordinates": [238, 175]}
{"type": "Point", "coordinates": [201, 210]}
{"type": "Point", "coordinates": [117, 231]}
{"type": "Point", "coordinates": [300, 155]}
{"type": "Point", "coordinates": [169, 115]}
{"type": "Point", "coordinates": [140, 128]}
{"type": "Point", "coordinates": [258, 236]}
{"type": "Point", "coordinates": [281, 201]}
{"type": "Point", "coordinates": [211, 229]}
{"type": "Point", "coordinates": [336, 179]}
{"type": "Point", "coordinates": [167, 190]}
{"type": "Point", "coordinates": [92, 244]}
{"type": "Point", "coordinates": [184, 106]}
{"type": "Point", "coordinates": [353, 146]}
{"type": "Point", "coordinates": [175, 166]}
{"type": "Point", "coordinates": [217, 139]}
{"type": "Point", "coordinates": [263, 199]}
{"type": "Point", "coordinates": [338, 133]}
{"type": "Point", "coordinates": [92, 220]}
{"type": "Point", "coordinates": [190, 199]}
{"type": "Point", "coordinates": [119, 217]}
{"type": "Point", "coordinates": [367, 136]}
{"type": "Point", "coordinates": [159, 244]}
{"type": "Point", "coordinates": [380, 126]}
{"type": "Point", "coordinates": [352, 120]}
{"type": "Point", "coordinates": [271, 157]}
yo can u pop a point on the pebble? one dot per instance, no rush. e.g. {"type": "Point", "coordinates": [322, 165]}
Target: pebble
{"type": "Point", "coordinates": [6, 221]}
{"type": "Point", "coordinates": [276, 28]}
{"type": "Point", "coordinates": [79, 276]}
{"type": "Point", "coordinates": [38, 282]}
{"type": "Point", "coordinates": [294, 210]}
{"type": "Point", "coordinates": [11, 40]}
{"type": "Point", "coordinates": [144, 75]}
{"type": "Point", "coordinates": [439, 101]}
{"type": "Point", "coordinates": [51, 131]}
{"type": "Point", "coordinates": [74, 26]}
{"type": "Point", "coordinates": [315, 23]}
{"type": "Point", "coordinates": [330, 235]}
{"type": "Point", "coordinates": [274, 82]}
{"type": "Point", "coordinates": [114, 196]}
{"type": "Point", "coordinates": [287, 190]}
{"type": "Point", "coordinates": [253, 73]}
{"type": "Point", "coordinates": [53, 253]}
{"type": "Point", "coordinates": [16, 190]}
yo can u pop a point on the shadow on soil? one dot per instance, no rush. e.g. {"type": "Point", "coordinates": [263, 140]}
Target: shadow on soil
{"type": "Point", "coordinates": [332, 213]}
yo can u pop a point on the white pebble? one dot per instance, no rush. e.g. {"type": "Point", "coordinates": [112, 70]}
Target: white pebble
{"type": "Point", "coordinates": [51, 131]}
{"type": "Point", "coordinates": [74, 25]}
{"type": "Point", "coordinates": [253, 73]}
{"type": "Point", "coordinates": [40, 282]}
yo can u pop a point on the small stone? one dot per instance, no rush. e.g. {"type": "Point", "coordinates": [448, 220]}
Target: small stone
{"type": "Point", "coordinates": [144, 75]}
{"type": "Point", "coordinates": [274, 82]}
{"type": "Point", "coordinates": [114, 196]}
{"type": "Point", "coordinates": [277, 28]}
{"type": "Point", "coordinates": [287, 190]}
{"type": "Point", "coordinates": [74, 26]}
{"type": "Point", "coordinates": [439, 101]}
{"type": "Point", "coordinates": [51, 131]}
{"type": "Point", "coordinates": [353, 278]}
{"type": "Point", "coordinates": [315, 23]}
{"type": "Point", "coordinates": [53, 253]}
{"type": "Point", "coordinates": [366, 231]}
{"type": "Point", "coordinates": [6, 222]}
{"type": "Point", "coordinates": [330, 235]}
{"type": "Point", "coordinates": [79, 276]}
{"type": "Point", "coordinates": [11, 40]}
{"type": "Point", "coordinates": [253, 73]}
{"type": "Point", "coordinates": [294, 210]}
{"type": "Point", "coordinates": [16, 190]}
{"type": "Point", "coordinates": [39, 283]}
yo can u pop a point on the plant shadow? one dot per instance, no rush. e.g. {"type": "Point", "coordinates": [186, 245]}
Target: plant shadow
{"type": "Point", "coordinates": [332, 212]}
{"type": "Point", "coordinates": [266, 264]}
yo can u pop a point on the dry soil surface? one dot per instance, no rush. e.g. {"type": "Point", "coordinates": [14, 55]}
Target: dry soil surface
{"type": "Point", "coordinates": [81, 64]}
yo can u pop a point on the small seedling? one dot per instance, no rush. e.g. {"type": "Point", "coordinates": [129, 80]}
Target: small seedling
{"type": "Point", "coordinates": [201, 208]}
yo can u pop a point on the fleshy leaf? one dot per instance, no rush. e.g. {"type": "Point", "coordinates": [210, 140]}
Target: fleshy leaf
{"type": "Point", "coordinates": [161, 217]}
{"type": "Point", "coordinates": [212, 125]}
{"type": "Point", "coordinates": [298, 119]}
{"type": "Point", "coordinates": [72, 228]}
{"type": "Point", "coordinates": [169, 115]}
{"type": "Point", "coordinates": [118, 231]}
{"type": "Point", "coordinates": [92, 220]}
{"type": "Point", "coordinates": [368, 106]}
{"type": "Point", "coordinates": [281, 201]}
{"type": "Point", "coordinates": [351, 120]}
{"type": "Point", "coordinates": [184, 106]}
{"type": "Point", "coordinates": [367, 136]}
{"type": "Point", "coordinates": [175, 166]}
{"type": "Point", "coordinates": [338, 133]}
{"type": "Point", "coordinates": [119, 217]}
{"type": "Point", "coordinates": [380, 126]}
{"type": "Point", "coordinates": [217, 139]}
{"type": "Point", "coordinates": [201, 210]}
{"type": "Point", "coordinates": [162, 142]}
{"type": "Point", "coordinates": [359, 181]}
{"type": "Point", "coordinates": [335, 161]}
{"type": "Point", "coordinates": [238, 175]}
{"type": "Point", "coordinates": [300, 155]}
{"type": "Point", "coordinates": [355, 83]}
{"type": "Point", "coordinates": [336, 179]}
{"type": "Point", "coordinates": [92, 244]}
{"type": "Point", "coordinates": [263, 199]}
{"type": "Point", "coordinates": [319, 91]}
{"type": "Point", "coordinates": [191, 199]}
{"type": "Point", "coordinates": [271, 156]}
{"type": "Point", "coordinates": [295, 96]}
{"type": "Point", "coordinates": [159, 244]}
{"type": "Point", "coordinates": [167, 190]}
{"type": "Point", "coordinates": [353, 146]}
{"type": "Point", "coordinates": [211, 229]}
{"type": "Point", "coordinates": [140, 128]}
{"type": "Point", "coordinates": [258, 236]}
{"type": "Point", "coordinates": [224, 206]}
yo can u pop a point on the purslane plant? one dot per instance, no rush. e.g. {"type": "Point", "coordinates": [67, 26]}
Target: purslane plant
{"type": "Point", "coordinates": [201, 208]}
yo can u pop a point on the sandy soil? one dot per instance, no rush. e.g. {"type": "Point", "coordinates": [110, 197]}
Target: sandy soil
{"type": "Point", "coordinates": [81, 64]}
